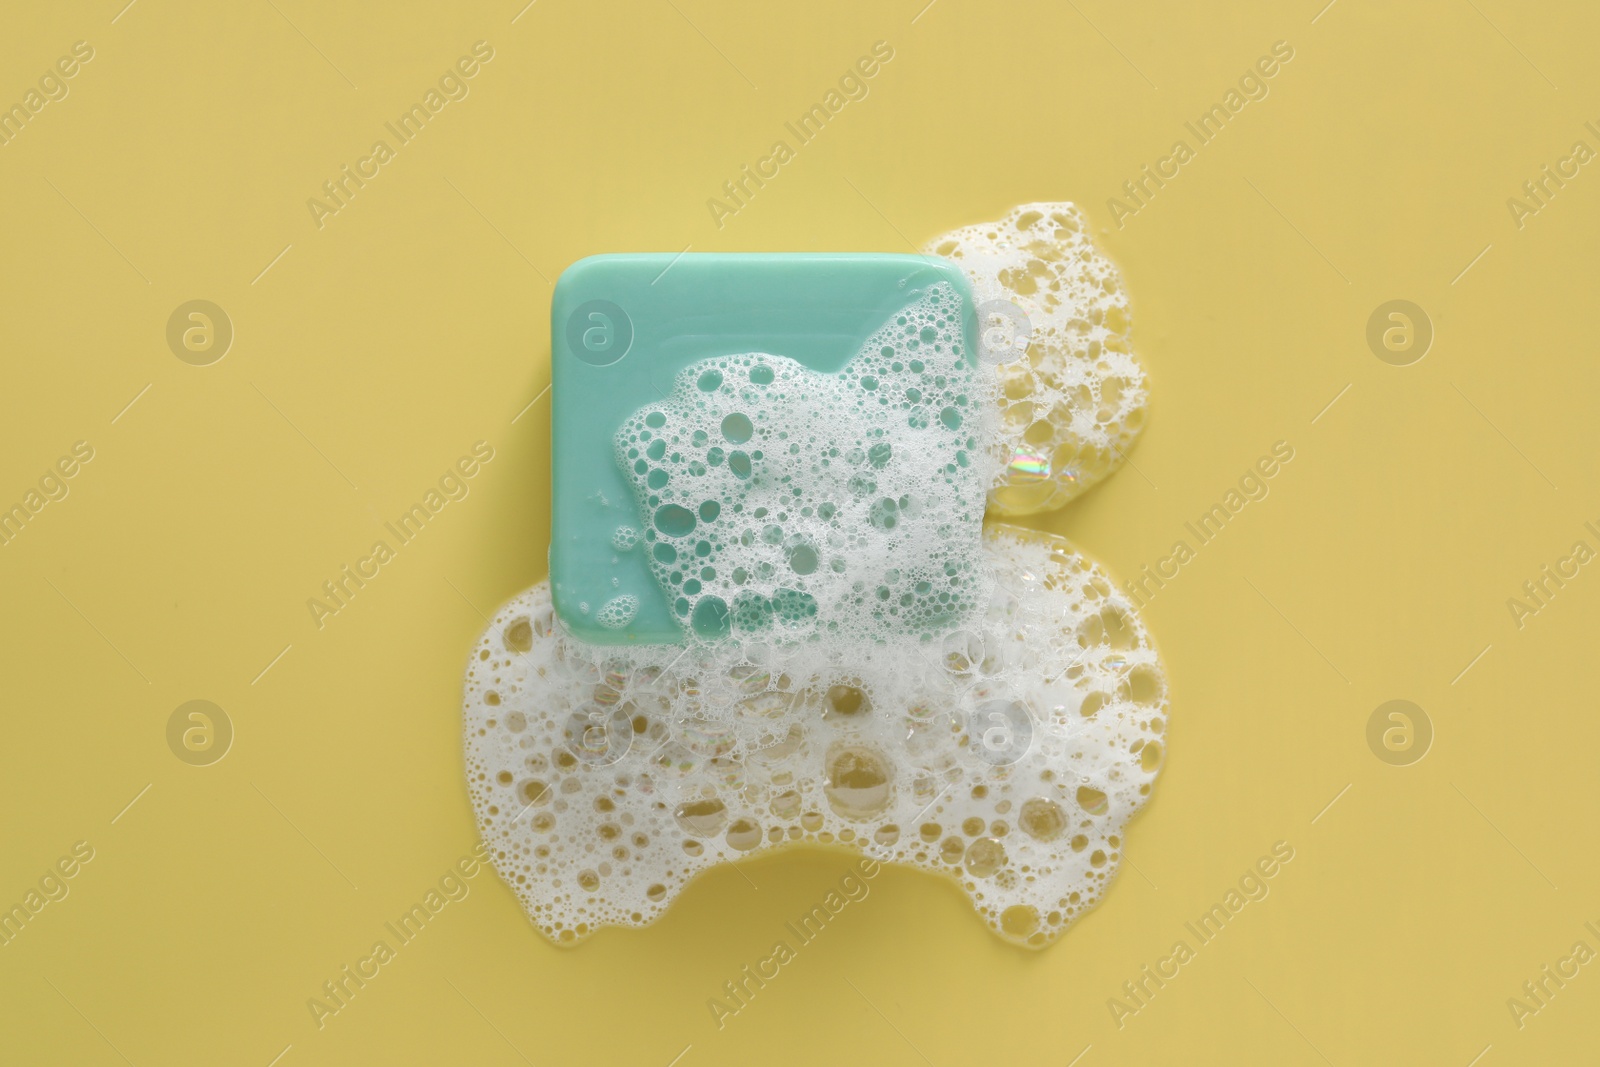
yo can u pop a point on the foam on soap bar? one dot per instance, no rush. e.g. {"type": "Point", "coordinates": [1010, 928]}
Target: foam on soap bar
{"type": "Point", "coordinates": [862, 663]}
{"type": "Point", "coordinates": [776, 497]}
{"type": "Point", "coordinates": [1071, 407]}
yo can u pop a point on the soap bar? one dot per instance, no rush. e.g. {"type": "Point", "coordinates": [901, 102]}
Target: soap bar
{"type": "Point", "coordinates": [623, 330]}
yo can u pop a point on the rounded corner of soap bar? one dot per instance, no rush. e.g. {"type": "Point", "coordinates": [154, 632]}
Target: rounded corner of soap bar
{"type": "Point", "coordinates": [582, 624]}
{"type": "Point", "coordinates": [579, 268]}
{"type": "Point", "coordinates": [946, 270]}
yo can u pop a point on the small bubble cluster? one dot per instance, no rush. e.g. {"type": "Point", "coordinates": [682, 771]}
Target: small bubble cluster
{"type": "Point", "coordinates": [1071, 407]}
{"type": "Point", "coordinates": [1006, 754]}
{"type": "Point", "coordinates": [781, 499]}
{"type": "Point", "coordinates": [618, 611]}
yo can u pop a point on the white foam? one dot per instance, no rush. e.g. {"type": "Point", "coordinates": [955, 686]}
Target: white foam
{"type": "Point", "coordinates": [845, 503]}
{"type": "Point", "coordinates": [1008, 755]}
{"type": "Point", "coordinates": [1071, 408]}
{"type": "Point", "coordinates": [618, 612]}
{"type": "Point", "coordinates": [861, 666]}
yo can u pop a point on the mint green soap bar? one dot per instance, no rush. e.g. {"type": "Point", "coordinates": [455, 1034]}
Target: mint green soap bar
{"type": "Point", "coordinates": [624, 326]}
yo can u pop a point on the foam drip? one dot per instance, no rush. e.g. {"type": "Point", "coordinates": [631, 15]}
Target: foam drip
{"type": "Point", "coordinates": [1006, 755]}
{"type": "Point", "coordinates": [1071, 408]}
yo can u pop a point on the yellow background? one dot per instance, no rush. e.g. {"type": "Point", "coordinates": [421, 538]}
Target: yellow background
{"type": "Point", "coordinates": [415, 322]}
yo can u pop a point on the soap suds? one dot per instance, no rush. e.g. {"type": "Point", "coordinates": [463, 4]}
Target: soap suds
{"type": "Point", "coordinates": [849, 504]}
{"type": "Point", "coordinates": [865, 663]}
{"type": "Point", "coordinates": [1071, 407]}
{"type": "Point", "coordinates": [1007, 755]}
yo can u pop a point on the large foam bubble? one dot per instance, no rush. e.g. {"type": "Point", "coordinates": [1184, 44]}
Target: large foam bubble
{"type": "Point", "coordinates": [1072, 406]}
{"type": "Point", "coordinates": [861, 665]}
{"type": "Point", "coordinates": [1006, 755]}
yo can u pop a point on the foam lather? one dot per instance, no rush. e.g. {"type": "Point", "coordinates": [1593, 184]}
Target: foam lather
{"type": "Point", "coordinates": [1073, 403]}
{"type": "Point", "coordinates": [845, 503]}
{"type": "Point", "coordinates": [775, 615]}
{"type": "Point", "coordinates": [1008, 754]}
